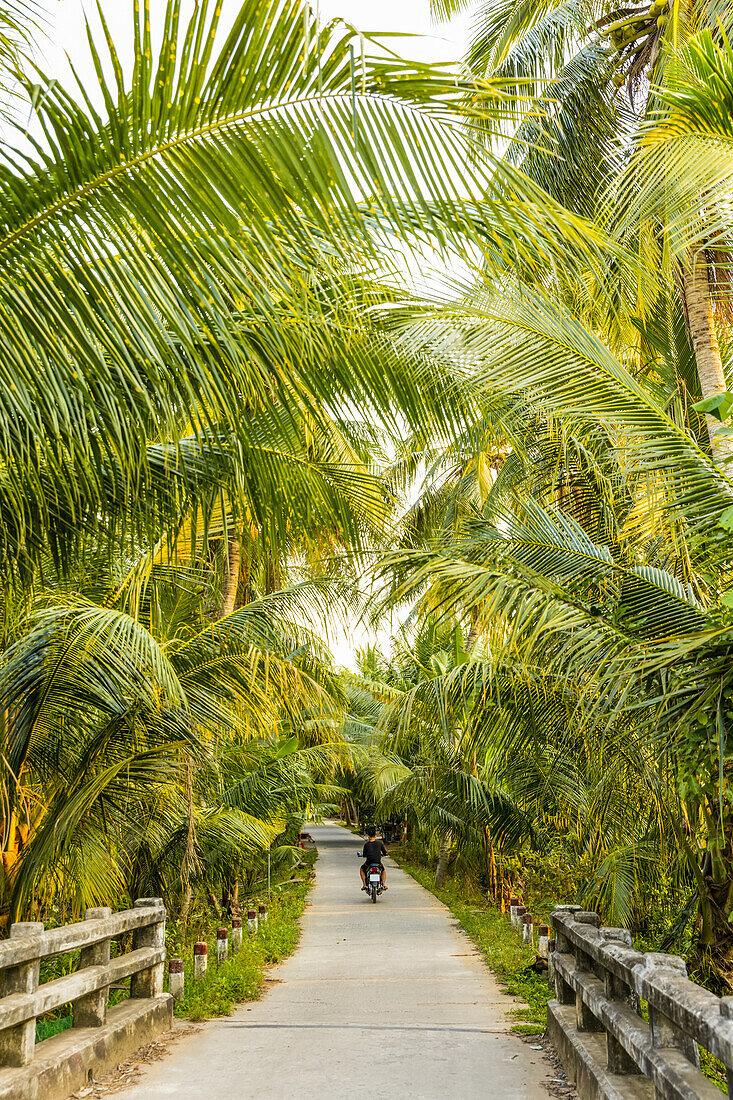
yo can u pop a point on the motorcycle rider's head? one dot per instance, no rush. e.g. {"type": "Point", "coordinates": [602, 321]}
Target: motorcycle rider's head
{"type": "Point", "coordinates": [371, 832]}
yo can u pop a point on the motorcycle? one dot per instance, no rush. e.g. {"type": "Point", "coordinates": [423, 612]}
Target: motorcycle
{"type": "Point", "coordinates": [373, 880]}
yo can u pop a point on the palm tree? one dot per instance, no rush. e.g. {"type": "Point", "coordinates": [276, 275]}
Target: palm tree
{"type": "Point", "coordinates": [195, 255]}
{"type": "Point", "coordinates": [600, 73]}
{"type": "Point", "coordinates": [107, 716]}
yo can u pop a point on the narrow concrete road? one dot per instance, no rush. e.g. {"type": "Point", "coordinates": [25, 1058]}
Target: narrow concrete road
{"type": "Point", "coordinates": [387, 1001]}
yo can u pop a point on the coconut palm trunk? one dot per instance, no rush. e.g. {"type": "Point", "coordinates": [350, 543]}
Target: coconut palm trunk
{"type": "Point", "coordinates": [231, 576]}
{"type": "Point", "coordinates": [444, 854]}
{"type": "Point", "coordinates": [705, 342]}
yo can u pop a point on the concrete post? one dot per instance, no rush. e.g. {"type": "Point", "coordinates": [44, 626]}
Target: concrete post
{"type": "Point", "coordinates": [251, 920]}
{"type": "Point", "coordinates": [513, 903]}
{"type": "Point", "coordinates": [519, 911]}
{"type": "Point", "coordinates": [17, 1043]}
{"type": "Point", "coordinates": [91, 1011]}
{"type": "Point", "coordinates": [551, 961]}
{"type": "Point", "coordinates": [564, 992]}
{"type": "Point", "coordinates": [262, 910]}
{"type": "Point", "coordinates": [200, 960]}
{"type": "Point", "coordinates": [148, 983]}
{"type": "Point", "coordinates": [586, 1020]}
{"type": "Point", "coordinates": [527, 930]}
{"type": "Point", "coordinates": [176, 979]}
{"type": "Point", "coordinates": [543, 935]}
{"type": "Point", "coordinates": [665, 1033]}
{"type": "Point", "coordinates": [563, 944]}
{"type": "Point", "coordinates": [222, 946]}
{"type": "Point", "coordinates": [236, 934]}
{"type": "Point", "coordinates": [726, 1011]}
{"type": "Point", "coordinates": [616, 990]}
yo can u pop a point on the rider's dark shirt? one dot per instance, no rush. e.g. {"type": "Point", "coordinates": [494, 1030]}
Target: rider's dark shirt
{"type": "Point", "coordinates": [373, 851]}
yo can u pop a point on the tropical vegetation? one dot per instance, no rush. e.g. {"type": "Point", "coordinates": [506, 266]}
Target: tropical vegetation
{"type": "Point", "coordinates": [296, 330]}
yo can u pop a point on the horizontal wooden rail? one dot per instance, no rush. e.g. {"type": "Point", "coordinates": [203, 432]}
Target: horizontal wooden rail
{"type": "Point", "coordinates": [598, 973]}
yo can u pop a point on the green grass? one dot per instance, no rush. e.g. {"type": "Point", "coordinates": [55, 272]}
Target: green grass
{"type": "Point", "coordinates": [46, 1028]}
{"type": "Point", "coordinates": [505, 954]}
{"type": "Point", "coordinates": [499, 944]}
{"type": "Point", "coordinates": [241, 977]}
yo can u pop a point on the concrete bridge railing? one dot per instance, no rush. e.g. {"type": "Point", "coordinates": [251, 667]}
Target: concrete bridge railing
{"type": "Point", "coordinates": [100, 1037]}
{"type": "Point", "coordinates": [612, 1050]}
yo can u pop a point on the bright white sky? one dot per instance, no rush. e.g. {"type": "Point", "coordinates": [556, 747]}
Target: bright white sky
{"type": "Point", "coordinates": [67, 36]}
{"type": "Point", "coordinates": [446, 42]}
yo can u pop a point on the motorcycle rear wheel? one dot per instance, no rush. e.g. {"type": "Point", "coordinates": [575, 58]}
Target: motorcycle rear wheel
{"type": "Point", "coordinates": [374, 894]}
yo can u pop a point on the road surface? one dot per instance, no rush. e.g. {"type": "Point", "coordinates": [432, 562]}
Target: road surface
{"type": "Point", "coordinates": [383, 1001]}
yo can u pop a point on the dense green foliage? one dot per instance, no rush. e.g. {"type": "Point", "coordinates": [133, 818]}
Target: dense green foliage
{"type": "Point", "coordinates": [231, 415]}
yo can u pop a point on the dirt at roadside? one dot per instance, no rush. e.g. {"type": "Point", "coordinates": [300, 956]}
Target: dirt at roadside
{"type": "Point", "coordinates": [557, 1083]}
{"type": "Point", "coordinates": [128, 1072]}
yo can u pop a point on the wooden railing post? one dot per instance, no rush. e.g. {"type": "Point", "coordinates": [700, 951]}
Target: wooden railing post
{"type": "Point", "coordinates": [91, 1011]}
{"type": "Point", "coordinates": [17, 1043]}
{"type": "Point", "coordinates": [583, 962]}
{"type": "Point", "coordinates": [148, 983]}
{"type": "Point", "coordinates": [617, 990]}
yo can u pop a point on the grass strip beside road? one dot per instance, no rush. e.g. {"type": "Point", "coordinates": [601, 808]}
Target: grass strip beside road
{"type": "Point", "coordinates": [241, 978]}
{"type": "Point", "coordinates": [500, 946]}
{"type": "Point", "coordinates": [508, 958]}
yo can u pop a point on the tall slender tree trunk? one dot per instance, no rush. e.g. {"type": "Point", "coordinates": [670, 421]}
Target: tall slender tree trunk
{"type": "Point", "coordinates": [189, 861]}
{"type": "Point", "coordinates": [444, 853]}
{"type": "Point", "coordinates": [473, 630]}
{"type": "Point", "coordinates": [705, 342]}
{"type": "Point", "coordinates": [231, 576]}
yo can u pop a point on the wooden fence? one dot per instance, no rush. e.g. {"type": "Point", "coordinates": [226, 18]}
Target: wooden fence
{"type": "Point", "coordinates": [628, 1023]}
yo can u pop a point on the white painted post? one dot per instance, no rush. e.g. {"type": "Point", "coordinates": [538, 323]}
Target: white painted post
{"type": "Point", "coordinates": [176, 979]}
{"type": "Point", "coordinates": [262, 913]}
{"type": "Point", "coordinates": [527, 930]}
{"type": "Point", "coordinates": [200, 959]}
{"type": "Point", "coordinates": [543, 937]}
{"type": "Point", "coordinates": [251, 920]}
{"type": "Point", "coordinates": [236, 934]}
{"type": "Point", "coordinates": [517, 923]}
{"type": "Point", "coordinates": [222, 946]}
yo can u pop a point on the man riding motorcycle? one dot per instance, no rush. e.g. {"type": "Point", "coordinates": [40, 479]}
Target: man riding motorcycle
{"type": "Point", "coordinates": [373, 851]}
